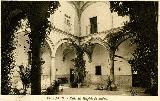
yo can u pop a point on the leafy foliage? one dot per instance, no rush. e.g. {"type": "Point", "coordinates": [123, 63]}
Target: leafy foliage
{"type": "Point", "coordinates": [143, 24]}
{"type": "Point", "coordinates": [53, 88]}
{"type": "Point", "coordinates": [8, 28]}
{"type": "Point", "coordinates": [37, 14]}
{"type": "Point", "coordinates": [25, 76]}
{"type": "Point", "coordinates": [79, 62]}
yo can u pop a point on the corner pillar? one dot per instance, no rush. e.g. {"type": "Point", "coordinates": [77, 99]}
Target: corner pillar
{"type": "Point", "coordinates": [112, 78]}
{"type": "Point", "coordinates": [53, 70]}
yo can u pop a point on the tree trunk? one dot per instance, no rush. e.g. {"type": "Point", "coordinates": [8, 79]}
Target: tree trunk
{"type": "Point", "coordinates": [36, 62]}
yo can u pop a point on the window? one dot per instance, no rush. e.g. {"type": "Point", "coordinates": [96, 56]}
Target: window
{"type": "Point", "coordinates": [67, 20]}
{"type": "Point", "coordinates": [93, 23]}
{"type": "Point", "coordinates": [98, 70]}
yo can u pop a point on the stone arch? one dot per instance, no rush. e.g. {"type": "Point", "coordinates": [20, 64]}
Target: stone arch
{"type": "Point", "coordinates": [57, 45]}
{"type": "Point", "coordinates": [98, 41]}
{"type": "Point", "coordinates": [51, 45]}
{"type": "Point", "coordinates": [124, 40]}
{"type": "Point", "coordinates": [92, 41]}
{"type": "Point", "coordinates": [123, 70]}
{"type": "Point", "coordinates": [53, 60]}
{"type": "Point", "coordinates": [62, 67]}
{"type": "Point", "coordinates": [60, 42]}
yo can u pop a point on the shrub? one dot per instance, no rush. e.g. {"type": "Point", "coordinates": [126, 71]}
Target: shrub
{"type": "Point", "coordinates": [53, 88]}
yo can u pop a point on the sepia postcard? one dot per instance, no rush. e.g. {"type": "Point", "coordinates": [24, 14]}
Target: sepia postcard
{"type": "Point", "coordinates": [79, 50]}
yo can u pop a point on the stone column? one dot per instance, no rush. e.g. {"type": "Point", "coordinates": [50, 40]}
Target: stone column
{"type": "Point", "coordinates": [112, 78]}
{"type": "Point", "coordinates": [79, 12]}
{"type": "Point", "coordinates": [53, 70]}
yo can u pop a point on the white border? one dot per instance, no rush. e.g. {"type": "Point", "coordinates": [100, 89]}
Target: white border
{"type": "Point", "coordinates": [108, 97]}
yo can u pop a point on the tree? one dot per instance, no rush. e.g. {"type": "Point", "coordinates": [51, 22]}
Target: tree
{"type": "Point", "coordinates": [143, 24]}
{"type": "Point", "coordinates": [37, 14]}
{"type": "Point", "coordinates": [10, 17]}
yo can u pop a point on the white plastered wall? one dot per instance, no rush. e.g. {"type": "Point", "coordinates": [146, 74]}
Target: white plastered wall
{"type": "Point", "coordinates": [58, 18]}
{"type": "Point", "coordinates": [105, 19]}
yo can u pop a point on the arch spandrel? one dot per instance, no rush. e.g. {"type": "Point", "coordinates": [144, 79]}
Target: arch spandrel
{"type": "Point", "coordinates": [60, 42]}
{"type": "Point", "coordinates": [97, 40]}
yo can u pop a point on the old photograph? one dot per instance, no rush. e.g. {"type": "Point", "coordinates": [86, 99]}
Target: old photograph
{"type": "Point", "coordinates": [79, 48]}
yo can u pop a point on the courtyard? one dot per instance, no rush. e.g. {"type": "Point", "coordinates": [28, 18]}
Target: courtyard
{"type": "Point", "coordinates": [91, 91]}
{"type": "Point", "coordinates": [136, 91]}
